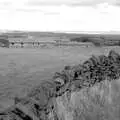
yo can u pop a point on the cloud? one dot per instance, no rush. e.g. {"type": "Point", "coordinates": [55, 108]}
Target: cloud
{"type": "Point", "coordinates": [45, 12]}
{"type": "Point", "coordinates": [117, 3]}
{"type": "Point", "coordinates": [51, 2]}
{"type": "Point", "coordinates": [61, 16]}
{"type": "Point", "coordinates": [25, 3]}
{"type": "Point", "coordinates": [5, 3]}
{"type": "Point", "coordinates": [21, 6]}
{"type": "Point", "coordinates": [69, 2]}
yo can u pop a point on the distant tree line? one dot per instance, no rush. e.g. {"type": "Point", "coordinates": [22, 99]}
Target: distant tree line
{"type": "Point", "coordinates": [97, 41]}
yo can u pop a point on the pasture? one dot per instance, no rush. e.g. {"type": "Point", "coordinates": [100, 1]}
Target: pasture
{"type": "Point", "coordinates": [22, 69]}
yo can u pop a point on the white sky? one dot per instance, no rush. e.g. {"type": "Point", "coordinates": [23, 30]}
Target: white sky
{"type": "Point", "coordinates": [60, 15]}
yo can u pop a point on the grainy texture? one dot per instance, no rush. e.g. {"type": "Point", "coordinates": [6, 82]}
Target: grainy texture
{"type": "Point", "coordinates": [89, 83]}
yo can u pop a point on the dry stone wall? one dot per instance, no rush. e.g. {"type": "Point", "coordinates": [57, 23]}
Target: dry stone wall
{"type": "Point", "coordinates": [41, 102]}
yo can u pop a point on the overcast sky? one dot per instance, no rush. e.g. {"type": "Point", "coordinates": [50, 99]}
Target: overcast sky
{"type": "Point", "coordinates": [60, 15]}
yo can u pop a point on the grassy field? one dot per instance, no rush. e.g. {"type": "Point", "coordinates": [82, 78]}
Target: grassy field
{"type": "Point", "coordinates": [21, 69]}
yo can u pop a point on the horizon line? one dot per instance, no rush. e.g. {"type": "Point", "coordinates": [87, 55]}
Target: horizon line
{"type": "Point", "coordinates": [58, 31]}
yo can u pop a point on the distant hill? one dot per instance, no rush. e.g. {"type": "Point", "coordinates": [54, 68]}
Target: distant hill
{"type": "Point", "coordinates": [96, 39]}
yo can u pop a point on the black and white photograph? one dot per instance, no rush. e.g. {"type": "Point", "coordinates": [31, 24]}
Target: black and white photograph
{"type": "Point", "coordinates": [59, 59]}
